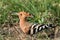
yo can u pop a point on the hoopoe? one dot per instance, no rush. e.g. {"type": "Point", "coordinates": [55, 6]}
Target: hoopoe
{"type": "Point", "coordinates": [31, 28]}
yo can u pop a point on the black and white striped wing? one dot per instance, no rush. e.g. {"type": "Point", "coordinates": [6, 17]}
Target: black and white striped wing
{"type": "Point", "coordinates": [37, 28]}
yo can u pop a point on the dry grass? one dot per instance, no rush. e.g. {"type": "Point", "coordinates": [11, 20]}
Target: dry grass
{"type": "Point", "coordinates": [44, 11]}
{"type": "Point", "coordinates": [14, 33]}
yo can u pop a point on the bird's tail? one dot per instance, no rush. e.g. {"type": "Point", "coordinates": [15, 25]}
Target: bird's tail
{"type": "Point", "coordinates": [37, 27]}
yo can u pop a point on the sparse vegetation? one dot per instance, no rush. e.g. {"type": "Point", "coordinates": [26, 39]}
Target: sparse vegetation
{"type": "Point", "coordinates": [44, 11]}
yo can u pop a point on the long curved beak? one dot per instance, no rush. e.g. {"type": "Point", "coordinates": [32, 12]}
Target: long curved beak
{"type": "Point", "coordinates": [14, 14]}
{"type": "Point", "coordinates": [17, 14]}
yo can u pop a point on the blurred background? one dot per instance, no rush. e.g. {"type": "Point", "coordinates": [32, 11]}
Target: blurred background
{"type": "Point", "coordinates": [44, 11]}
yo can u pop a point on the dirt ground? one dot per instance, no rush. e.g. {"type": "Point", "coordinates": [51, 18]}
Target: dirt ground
{"type": "Point", "coordinates": [14, 33]}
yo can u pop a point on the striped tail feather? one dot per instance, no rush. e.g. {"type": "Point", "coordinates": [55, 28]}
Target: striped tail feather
{"type": "Point", "coordinates": [37, 28]}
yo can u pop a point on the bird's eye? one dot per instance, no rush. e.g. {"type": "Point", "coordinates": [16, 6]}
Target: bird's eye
{"type": "Point", "coordinates": [21, 14]}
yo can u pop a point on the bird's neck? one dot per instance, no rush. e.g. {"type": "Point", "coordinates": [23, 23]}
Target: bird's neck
{"type": "Point", "coordinates": [22, 21]}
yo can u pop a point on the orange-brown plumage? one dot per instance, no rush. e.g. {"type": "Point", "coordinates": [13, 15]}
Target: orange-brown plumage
{"type": "Point", "coordinates": [24, 25]}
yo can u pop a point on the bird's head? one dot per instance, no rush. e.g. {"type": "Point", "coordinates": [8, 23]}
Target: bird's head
{"type": "Point", "coordinates": [24, 14]}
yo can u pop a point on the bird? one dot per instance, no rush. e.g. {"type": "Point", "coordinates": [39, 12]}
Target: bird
{"type": "Point", "coordinates": [32, 28]}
